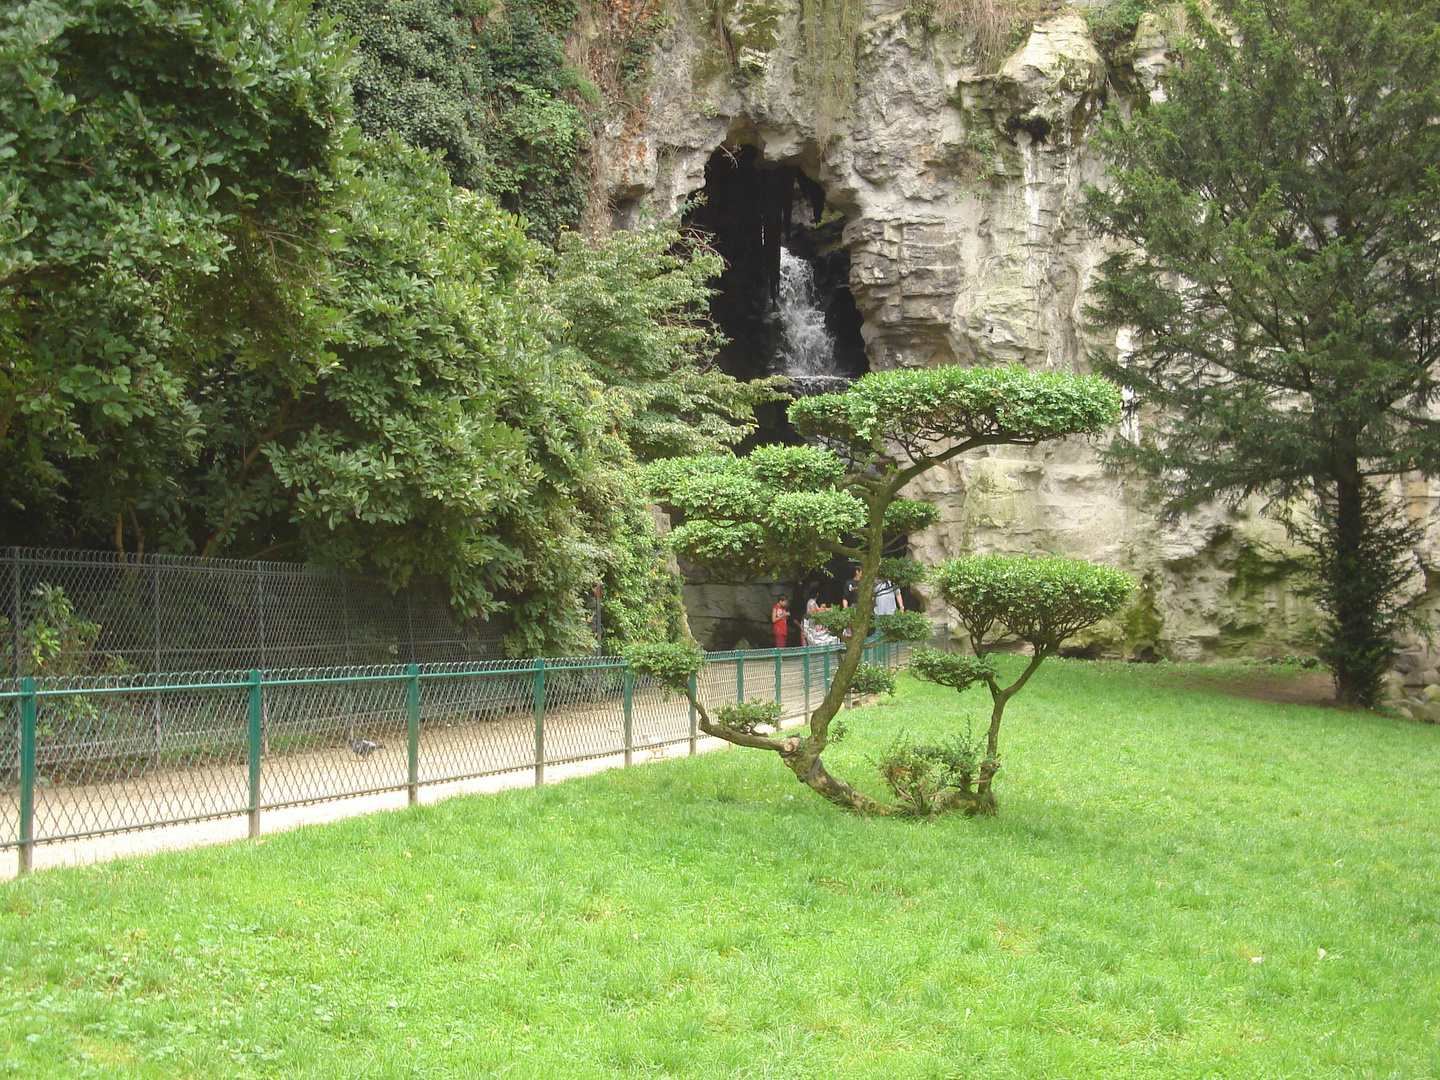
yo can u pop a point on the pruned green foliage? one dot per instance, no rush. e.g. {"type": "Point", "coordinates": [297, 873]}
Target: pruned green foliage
{"type": "Point", "coordinates": [898, 626]}
{"type": "Point", "coordinates": [905, 516]}
{"type": "Point", "coordinates": [807, 518]}
{"type": "Point", "coordinates": [803, 468]}
{"type": "Point", "coordinates": [903, 572]}
{"type": "Point", "coordinates": [873, 679]}
{"type": "Point", "coordinates": [836, 620]}
{"type": "Point", "coordinates": [747, 716]}
{"type": "Point", "coordinates": [787, 508]}
{"type": "Point", "coordinates": [674, 663]}
{"type": "Point", "coordinates": [1042, 600]}
{"type": "Point", "coordinates": [905, 626]}
{"type": "Point", "coordinates": [776, 510]}
{"type": "Point", "coordinates": [916, 409]}
{"type": "Point", "coordinates": [955, 670]}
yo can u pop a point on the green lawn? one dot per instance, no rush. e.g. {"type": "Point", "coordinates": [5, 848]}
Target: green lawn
{"type": "Point", "coordinates": [1182, 884]}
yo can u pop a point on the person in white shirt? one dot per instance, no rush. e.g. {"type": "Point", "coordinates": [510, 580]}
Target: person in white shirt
{"type": "Point", "coordinates": [888, 599]}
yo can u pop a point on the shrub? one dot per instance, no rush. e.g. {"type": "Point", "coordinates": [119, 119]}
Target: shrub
{"type": "Point", "coordinates": [873, 679]}
{"type": "Point", "coordinates": [746, 716]}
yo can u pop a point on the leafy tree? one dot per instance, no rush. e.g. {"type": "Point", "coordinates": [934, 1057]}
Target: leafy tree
{"type": "Point", "coordinates": [788, 508]}
{"type": "Point", "coordinates": [632, 309]}
{"type": "Point", "coordinates": [230, 325]}
{"type": "Point", "coordinates": [165, 175]}
{"type": "Point", "coordinates": [1042, 601]}
{"type": "Point", "coordinates": [447, 436]}
{"type": "Point", "coordinates": [485, 85]}
{"type": "Point", "coordinates": [1280, 275]}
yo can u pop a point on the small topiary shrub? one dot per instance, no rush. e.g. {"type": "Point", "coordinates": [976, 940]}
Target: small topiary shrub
{"type": "Point", "coordinates": [1042, 601]}
{"type": "Point", "coordinates": [930, 778]}
{"type": "Point", "coordinates": [873, 679]}
{"type": "Point", "coordinates": [673, 663]}
{"type": "Point", "coordinates": [746, 716]}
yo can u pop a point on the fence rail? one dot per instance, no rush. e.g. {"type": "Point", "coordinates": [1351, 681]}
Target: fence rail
{"type": "Point", "coordinates": [88, 755]}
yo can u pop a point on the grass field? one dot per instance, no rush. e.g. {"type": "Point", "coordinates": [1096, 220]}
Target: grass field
{"type": "Point", "coordinates": [1182, 884]}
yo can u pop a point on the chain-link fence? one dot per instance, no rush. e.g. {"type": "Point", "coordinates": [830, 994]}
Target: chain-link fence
{"type": "Point", "coordinates": [89, 612]}
{"type": "Point", "coordinates": [93, 754]}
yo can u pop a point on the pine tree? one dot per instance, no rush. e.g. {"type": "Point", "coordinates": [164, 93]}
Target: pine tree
{"type": "Point", "coordinates": [1280, 209]}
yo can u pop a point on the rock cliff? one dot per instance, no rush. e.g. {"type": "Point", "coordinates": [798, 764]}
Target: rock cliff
{"type": "Point", "coordinates": [961, 181]}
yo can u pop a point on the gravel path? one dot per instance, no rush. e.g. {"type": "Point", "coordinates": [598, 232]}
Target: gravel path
{"type": "Point", "coordinates": [333, 781]}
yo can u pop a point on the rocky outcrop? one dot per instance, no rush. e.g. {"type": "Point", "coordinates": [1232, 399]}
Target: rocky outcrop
{"type": "Point", "coordinates": [962, 184]}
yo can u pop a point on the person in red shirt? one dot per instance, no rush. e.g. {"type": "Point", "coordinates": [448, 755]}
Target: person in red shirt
{"type": "Point", "coordinates": [780, 618]}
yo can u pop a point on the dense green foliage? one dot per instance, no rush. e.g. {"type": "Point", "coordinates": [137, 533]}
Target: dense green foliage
{"type": "Point", "coordinates": [902, 415]}
{"type": "Point", "coordinates": [1188, 884]}
{"type": "Point", "coordinates": [484, 85]}
{"type": "Point", "coordinates": [674, 663]}
{"type": "Point", "coordinates": [923, 775]}
{"type": "Point", "coordinates": [872, 679]}
{"type": "Point", "coordinates": [629, 307]}
{"type": "Point", "coordinates": [1042, 600]}
{"type": "Point", "coordinates": [1281, 284]}
{"type": "Point", "coordinates": [746, 716]}
{"type": "Point", "coordinates": [955, 670]}
{"type": "Point", "coordinates": [786, 508]}
{"type": "Point", "coordinates": [230, 324]}
{"type": "Point", "coordinates": [165, 176]}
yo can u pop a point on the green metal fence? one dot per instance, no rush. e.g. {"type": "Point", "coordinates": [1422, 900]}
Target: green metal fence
{"type": "Point", "coordinates": [89, 755]}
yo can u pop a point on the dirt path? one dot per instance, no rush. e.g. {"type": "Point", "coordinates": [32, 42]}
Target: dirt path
{"type": "Point", "coordinates": [460, 752]}
{"type": "Point", "coordinates": [1285, 688]}
{"type": "Point", "coordinates": [226, 830]}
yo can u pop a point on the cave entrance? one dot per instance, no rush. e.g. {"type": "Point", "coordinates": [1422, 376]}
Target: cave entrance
{"type": "Point", "coordinates": [784, 304]}
{"type": "Point", "coordinates": [784, 299]}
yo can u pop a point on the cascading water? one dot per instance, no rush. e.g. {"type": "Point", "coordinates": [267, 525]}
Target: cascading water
{"type": "Point", "coordinates": [807, 348]}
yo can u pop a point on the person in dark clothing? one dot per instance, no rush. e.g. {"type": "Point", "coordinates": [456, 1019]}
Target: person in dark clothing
{"type": "Point", "coordinates": [850, 592]}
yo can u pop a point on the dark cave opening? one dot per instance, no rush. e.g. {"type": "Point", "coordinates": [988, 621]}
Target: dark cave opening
{"type": "Point", "coordinates": [754, 213]}
{"type": "Point", "coordinates": [751, 210]}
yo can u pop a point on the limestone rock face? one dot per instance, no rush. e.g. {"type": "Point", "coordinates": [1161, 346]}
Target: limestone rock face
{"type": "Point", "coordinates": [962, 183]}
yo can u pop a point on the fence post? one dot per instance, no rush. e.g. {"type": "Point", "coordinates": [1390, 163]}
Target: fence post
{"type": "Point", "coordinates": [156, 719]}
{"type": "Point", "coordinates": [629, 680]}
{"type": "Point", "coordinates": [15, 628]}
{"type": "Point", "coordinates": [27, 774]}
{"type": "Point", "coordinates": [694, 693]}
{"type": "Point", "coordinates": [805, 670]}
{"type": "Point", "coordinates": [539, 721]}
{"type": "Point", "coordinates": [412, 708]}
{"type": "Point", "coordinates": [739, 676]}
{"type": "Point", "coordinates": [779, 697]}
{"type": "Point", "coordinates": [827, 669]}
{"type": "Point", "coordinates": [253, 750]}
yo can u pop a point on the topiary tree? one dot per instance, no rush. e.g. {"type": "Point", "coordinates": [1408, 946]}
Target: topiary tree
{"type": "Point", "coordinates": [785, 509]}
{"type": "Point", "coordinates": [1042, 601]}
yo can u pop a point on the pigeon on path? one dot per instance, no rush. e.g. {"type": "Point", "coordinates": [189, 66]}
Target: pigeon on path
{"type": "Point", "coordinates": [364, 747]}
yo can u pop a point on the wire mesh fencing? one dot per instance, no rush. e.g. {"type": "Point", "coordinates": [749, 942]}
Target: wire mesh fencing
{"type": "Point", "coordinates": [87, 755]}
{"type": "Point", "coordinates": [72, 612]}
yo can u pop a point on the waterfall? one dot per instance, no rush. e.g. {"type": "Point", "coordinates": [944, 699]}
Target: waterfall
{"type": "Point", "coordinates": [807, 348]}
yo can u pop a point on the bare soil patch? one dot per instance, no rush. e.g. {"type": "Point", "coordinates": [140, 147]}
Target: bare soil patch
{"type": "Point", "coordinates": [1283, 687]}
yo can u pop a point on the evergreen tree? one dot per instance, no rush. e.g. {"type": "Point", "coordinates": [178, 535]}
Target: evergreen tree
{"type": "Point", "coordinates": [1280, 209]}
